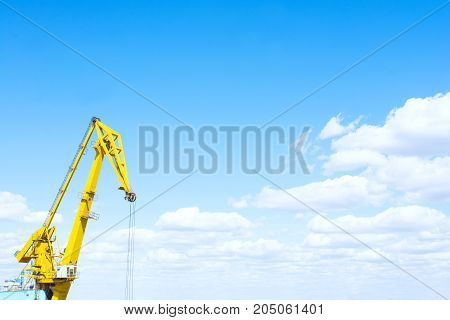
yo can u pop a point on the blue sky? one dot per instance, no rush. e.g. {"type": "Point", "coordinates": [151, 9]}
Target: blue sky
{"type": "Point", "coordinates": [216, 63]}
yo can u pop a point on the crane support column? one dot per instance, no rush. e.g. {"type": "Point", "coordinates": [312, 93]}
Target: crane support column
{"type": "Point", "coordinates": [73, 248]}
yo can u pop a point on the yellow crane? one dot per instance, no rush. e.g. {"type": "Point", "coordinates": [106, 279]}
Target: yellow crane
{"type": "Point", "coordinates": [54, 273]}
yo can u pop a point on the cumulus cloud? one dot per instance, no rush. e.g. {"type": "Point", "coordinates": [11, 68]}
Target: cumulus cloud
{"type": "Point", "coordinates": [163, 255]}
{"type": "Point", "coordinates": [350, 160]}
{"type": "Point", "coordinates": [252, 248]}
{"type": "Point", "coordinates": [14, 207]}
{"type": "Point", "coordinates": [420, 127]}
{"type": "Point", "coordinates": [411, 235]}
{"type": "Point", "coordinates": [181, 246]}
{"type": "Point", "coordinates": [194, 219]}
{"type": "Point", "coordinates": [342, 193]}
{"type": "Point", "coordinates": [187, 239]}
{"type": "Point", "coordinates": [396, 219]}
{"type": "Point", "coordinates": [334, 127]}
{"type": "Point", "coordinates": [402, 232]}
{"type": "Point", "coordinates": [418, 179]}
{"type": "Point", "coordinates": [240, 203]}
{"type": "Point", "coordinates": [408, 153]}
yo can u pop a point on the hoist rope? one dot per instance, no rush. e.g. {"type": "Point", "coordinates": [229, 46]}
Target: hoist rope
{"type": "Point", "coordinates": [129, 286]}
{"type": "Point", "coordinates": [132, 250]}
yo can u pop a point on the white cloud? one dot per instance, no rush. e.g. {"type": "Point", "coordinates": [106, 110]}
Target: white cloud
{"type": "Point", "coordinates": [194, 219]}
{"type": "Point", "coordinates": [344, 241]}
{"type": "Point", "coordinates": [39, 216]}
{"type": "Point", "coordinates": [341, 193]}
{"type": "Point", "coordinates": [163, 255]}
{"type": "Point", "coordinates": [334, 127]}
{"type": "Point", "coordinates": [409, 152]}
{"type": "Point", "coordinates": [174, 246]}
{"type": "Point", "coordinates": [240, 203]}
{"type": "Point", "coordinates": [417, 178]}
{"type": "Point", "coordinates": [420, 127]}
{"type": "Point", "coordinates": [252, 248]}
{"type": "Point", "coordinates": [397, 158]}
{"type": "Point", "coordinates": [396, 219]}
{"type": "Point", "coordinates": [410, 233]}
{"type": "Point", "coordinates": [196, 259]}
{"type": "Point", "coordinates": [14, 207]}
{"type": "Point", "coordinates": [349, 160]}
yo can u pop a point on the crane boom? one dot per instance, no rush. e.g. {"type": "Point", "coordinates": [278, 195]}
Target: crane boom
{"type": "Point", "coordinates": [68, 178]}
{"type": "Point", "coordinates": [55, 273]}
